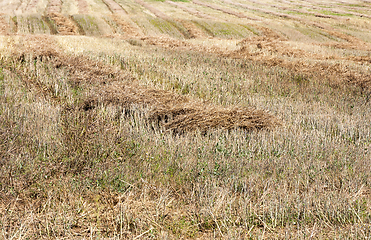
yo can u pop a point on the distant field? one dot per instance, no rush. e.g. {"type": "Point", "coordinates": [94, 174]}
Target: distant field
{"type": "Point", "coordinates": [145, 119]}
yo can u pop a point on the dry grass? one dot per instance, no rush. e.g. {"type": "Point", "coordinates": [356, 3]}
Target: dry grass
{"type": "Point", "coordinates": [137, 136]}
{"type": "Point", "coordinates": [107, 172]}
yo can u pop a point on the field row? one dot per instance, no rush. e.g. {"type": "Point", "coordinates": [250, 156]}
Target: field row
{"type": "Point", "coordinates": [222, 18]}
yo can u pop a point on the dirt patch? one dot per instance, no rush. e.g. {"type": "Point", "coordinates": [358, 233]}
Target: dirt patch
{"type": "Point", "coordinates": [65, 26]}
{"type": "Point", "coordinates": [115, 7]}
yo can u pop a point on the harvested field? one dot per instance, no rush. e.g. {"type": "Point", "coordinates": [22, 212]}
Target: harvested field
{"type": "Point", "coordinates": [143, 119]}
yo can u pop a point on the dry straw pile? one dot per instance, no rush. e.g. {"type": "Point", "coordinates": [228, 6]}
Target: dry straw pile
{"type": "Point", "coordinates": [65, 26]}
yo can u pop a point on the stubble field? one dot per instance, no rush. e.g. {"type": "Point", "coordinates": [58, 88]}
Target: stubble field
{"type": "Point", "coordinates": [144, 119]}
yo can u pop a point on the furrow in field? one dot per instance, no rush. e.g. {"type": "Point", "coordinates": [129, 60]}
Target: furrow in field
{"type": "Point", "coordinates": [191, 10]}
{"type": "Point", "coordinates": [115, 7]}
{"type": "Point", "coordinates": [218, 8]}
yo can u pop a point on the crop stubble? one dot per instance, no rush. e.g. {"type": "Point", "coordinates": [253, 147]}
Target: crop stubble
{"type": "Point", "coordinates": [110, 86]}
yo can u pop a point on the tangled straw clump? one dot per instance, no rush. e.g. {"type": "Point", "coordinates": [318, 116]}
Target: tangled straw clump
{"type": "Point", "coordinates": [179, 113]}
{"type": "Point", "coordinates": [108, 85]}
{"type": "Point", "coordinates": [65, 26]}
